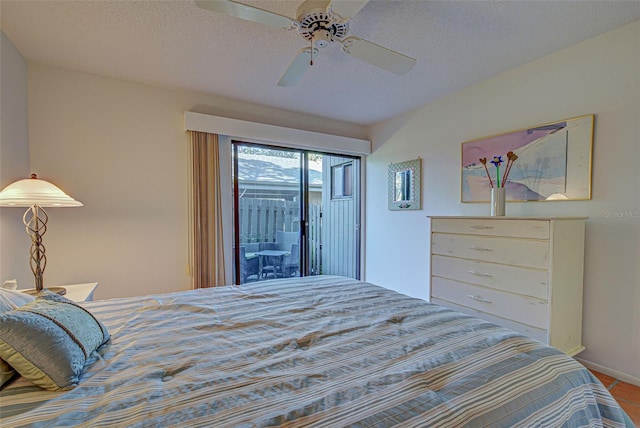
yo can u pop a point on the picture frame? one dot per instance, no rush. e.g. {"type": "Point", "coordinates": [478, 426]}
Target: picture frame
{"type": "Point", "coordinates": [554, 162]}
{"type": "Point", "coordinates": [404, 185]}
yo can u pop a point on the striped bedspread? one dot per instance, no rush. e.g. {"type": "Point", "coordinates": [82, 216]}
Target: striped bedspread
{"type": "Point", "coordinates": [318, 351]}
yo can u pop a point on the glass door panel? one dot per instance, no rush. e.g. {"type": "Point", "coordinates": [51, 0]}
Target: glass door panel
{"type": "Point", "coordinates": [340, 232]}
{"type": "Point", "coordinates": [268, 204]}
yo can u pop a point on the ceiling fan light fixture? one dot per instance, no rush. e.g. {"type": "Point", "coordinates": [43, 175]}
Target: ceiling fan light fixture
{"type": "Point", "coordinates": [312, 18]}
{"type": "Point", "coordinates": [321, 38]}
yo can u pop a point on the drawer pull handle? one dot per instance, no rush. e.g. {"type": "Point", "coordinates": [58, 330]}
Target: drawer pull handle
{"type": "Point", "coordinates": [478, 298]}
{"type": "Point", "coordinates": [480, 226]}
{"type": "Point", "coordinates": [486, 275]}
{"type": "Point", "coordinates": [481, 249]}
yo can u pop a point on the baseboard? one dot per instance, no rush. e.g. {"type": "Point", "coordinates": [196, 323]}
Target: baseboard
{"type": "Point", "coordinates": [611, 372]}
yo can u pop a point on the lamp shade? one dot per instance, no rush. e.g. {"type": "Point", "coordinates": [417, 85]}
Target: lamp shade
{"type": "Point", "coordinates": [33, 191]}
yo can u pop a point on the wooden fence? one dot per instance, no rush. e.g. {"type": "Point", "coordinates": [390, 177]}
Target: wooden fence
{"type": "Point", "coordinates": [260, 219]}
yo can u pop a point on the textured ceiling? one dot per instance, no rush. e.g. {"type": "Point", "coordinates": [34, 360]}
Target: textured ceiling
{"type": "Point", "coordinates": [176, 44]}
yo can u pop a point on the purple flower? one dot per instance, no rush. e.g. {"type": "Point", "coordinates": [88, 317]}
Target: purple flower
{"type": "Point", "coordinates": [497, 161]}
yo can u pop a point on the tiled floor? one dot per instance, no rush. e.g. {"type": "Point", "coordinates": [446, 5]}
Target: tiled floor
{"type": "Point", "coordinates": [628, 395]}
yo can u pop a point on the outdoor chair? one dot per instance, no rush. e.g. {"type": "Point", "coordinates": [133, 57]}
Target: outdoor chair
{"type": "Point", "coordinates": [291, 263]}
{"type": "Point", "coordinates": [248, 267]}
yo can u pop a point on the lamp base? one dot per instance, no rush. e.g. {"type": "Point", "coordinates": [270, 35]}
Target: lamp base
{"type": "Point", "coordinates": [58, 290]}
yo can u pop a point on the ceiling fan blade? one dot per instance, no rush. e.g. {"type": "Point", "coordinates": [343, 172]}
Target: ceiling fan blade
{"type": "Point", "coordinates": [343, 10]}
{"type": "Point", "coordinates": [297, 68]}
{"type": "Point", "coordinates": [249, 13]}
{"type": "Point", "coordinates": [378, 55]}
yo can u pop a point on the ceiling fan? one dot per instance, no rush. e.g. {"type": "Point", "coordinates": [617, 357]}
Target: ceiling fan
{"type": "Point", "coordinates": [320, 22]}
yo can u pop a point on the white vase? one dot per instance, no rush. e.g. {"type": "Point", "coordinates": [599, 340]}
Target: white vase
{"type": "Point", "coordinates": [498, 199]}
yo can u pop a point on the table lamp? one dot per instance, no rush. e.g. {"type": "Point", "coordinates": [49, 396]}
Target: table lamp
{"type": "Point", "coordinates": [36, 194]}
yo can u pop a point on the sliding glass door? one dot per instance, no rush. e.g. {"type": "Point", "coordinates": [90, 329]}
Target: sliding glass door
{"type": "Point", "coordinates": [296, 213]}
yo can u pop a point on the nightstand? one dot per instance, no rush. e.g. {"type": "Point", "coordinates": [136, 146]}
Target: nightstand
{"type": "Point", "coordinates": [80, 292]}
{"type": "Point", "coordinates": [74, 292]}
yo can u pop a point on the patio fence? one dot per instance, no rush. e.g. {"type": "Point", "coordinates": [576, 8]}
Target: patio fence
{"type": "Point", "coordinates": [260, 219]}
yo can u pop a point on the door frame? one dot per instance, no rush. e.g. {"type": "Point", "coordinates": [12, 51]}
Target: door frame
{"type": "Point", "coordinates": [304, 202]}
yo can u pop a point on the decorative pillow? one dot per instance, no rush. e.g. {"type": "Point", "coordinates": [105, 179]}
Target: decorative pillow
{"type": "Point", "coordinates": [10, 300]}
{"type": "Point", "coordinates": [49, 340]}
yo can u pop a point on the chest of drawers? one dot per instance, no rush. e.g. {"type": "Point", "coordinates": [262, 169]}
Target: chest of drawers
{"type": "Point", "coordinates": [525, 274]}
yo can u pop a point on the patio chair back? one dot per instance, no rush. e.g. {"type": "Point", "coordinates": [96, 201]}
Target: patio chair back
{"type": "Point", "coordinates": [291, 263]}
{"type": "Point", "coordinates": [248, 267]}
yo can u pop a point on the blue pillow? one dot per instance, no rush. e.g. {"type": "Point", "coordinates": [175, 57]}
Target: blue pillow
{"type": "Point", "coordinates": [49, 340]}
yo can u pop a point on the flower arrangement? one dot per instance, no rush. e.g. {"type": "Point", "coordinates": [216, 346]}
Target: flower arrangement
{"type": "Point", "coordinates": [497, 161]}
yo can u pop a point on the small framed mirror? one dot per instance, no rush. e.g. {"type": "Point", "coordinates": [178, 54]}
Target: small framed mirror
{"type": "Point", "coordinates": [404, 185]}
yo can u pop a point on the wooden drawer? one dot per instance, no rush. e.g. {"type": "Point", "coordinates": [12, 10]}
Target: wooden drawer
{"type": "Point", "coordinates": [519, 252]}
{"type": "Point", "coordinates": [522, 309]}
{"type": "Point", "coordinates": [527, 330]}
{"type": "Point", "coordinates": [538, 229]}
{"type": "Point", "coordinates": [525, 281]}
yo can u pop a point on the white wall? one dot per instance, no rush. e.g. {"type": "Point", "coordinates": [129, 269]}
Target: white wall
{"type": "Point", "coordinates": [600, 76]}
{"type": "Point", "coordinates": [121, 149]}
{"type": "Point", "coordinates": [14, 162]}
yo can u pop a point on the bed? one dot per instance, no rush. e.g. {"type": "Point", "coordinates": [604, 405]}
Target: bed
{"type": "Point", "coordinates": [318, 351]}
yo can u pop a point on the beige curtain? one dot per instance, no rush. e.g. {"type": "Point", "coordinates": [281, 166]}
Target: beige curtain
{"type": "Point", "coordinates": [205, 216]}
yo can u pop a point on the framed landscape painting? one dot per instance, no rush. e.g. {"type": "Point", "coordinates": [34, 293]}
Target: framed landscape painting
{"type": "Point", "coordinates": [553, 162]}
